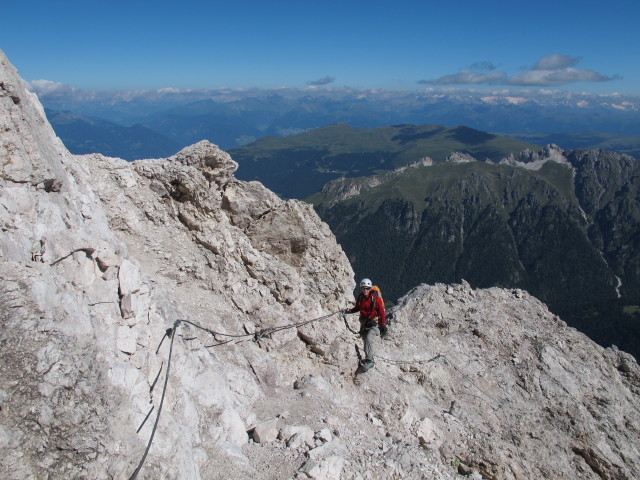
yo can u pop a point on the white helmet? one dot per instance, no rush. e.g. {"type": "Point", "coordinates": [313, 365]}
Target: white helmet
{"type": "Point", "coordinates": [366, 283]}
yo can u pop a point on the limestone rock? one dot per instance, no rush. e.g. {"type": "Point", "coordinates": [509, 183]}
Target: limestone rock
{"type": "Point", "coordinates": [329, 469]}
{"type": "Point", "coordinates": [324, 435]}
{"type": "Point", "coordinates": [427, 433]}
{"type": "Point", "coordinates": [266, 432]}
{"type": "Point", "coordinates": [297, 436]}
{"type": "Point", "coordinates": [99, 258]}
{"type": "Point", "coordinates": [129, 276]}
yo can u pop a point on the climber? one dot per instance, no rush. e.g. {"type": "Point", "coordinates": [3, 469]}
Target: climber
{"type": "Point", "coordinates": [373, 320]}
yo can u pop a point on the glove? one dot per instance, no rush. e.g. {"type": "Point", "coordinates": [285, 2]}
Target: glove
{"type": "Point", "coordinates": [346, 310]}
{"type": "Point", "coordinates": [383, 330]}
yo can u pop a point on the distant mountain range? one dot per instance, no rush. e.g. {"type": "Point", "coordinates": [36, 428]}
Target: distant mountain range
{"type": "Point", "coordinates": [83, 135]}
{"type": "Point", "coordinates": [299, 165]}
{"type": "Point", "coordinates": [563, 225]}
{"type": "Point", "coordinates": [232, 118]}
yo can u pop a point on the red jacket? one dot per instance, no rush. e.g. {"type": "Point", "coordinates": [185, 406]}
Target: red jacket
{"type": "Point", "coordinates": [369, 311]}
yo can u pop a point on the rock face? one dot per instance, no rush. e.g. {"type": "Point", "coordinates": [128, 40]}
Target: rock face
{"type": "Point", "coordinates": [100, 258]}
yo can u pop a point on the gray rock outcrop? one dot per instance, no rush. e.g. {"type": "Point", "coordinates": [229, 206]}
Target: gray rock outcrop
{"type": "Point", "coordinates": [100, 257]}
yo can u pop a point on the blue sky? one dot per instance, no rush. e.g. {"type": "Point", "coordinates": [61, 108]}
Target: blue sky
{"type": "Point", "coordinates": [584, 46]}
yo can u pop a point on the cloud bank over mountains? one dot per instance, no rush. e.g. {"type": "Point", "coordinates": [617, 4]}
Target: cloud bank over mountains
{"type": "Point", "coordinates": [236, 116]}
{"type": "Point", "coordinates": [321, 81]}
{"type": "Point", "coordinates": [49, 91]}
{"type": "Point", "coordinates": [550, 71]}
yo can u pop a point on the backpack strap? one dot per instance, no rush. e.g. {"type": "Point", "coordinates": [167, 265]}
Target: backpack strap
{"type": "Point", "coordinates": [374, 305]}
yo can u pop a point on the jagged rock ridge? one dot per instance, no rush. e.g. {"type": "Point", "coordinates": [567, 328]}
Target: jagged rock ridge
{"type": "Point", "coordinates": [100, 257]}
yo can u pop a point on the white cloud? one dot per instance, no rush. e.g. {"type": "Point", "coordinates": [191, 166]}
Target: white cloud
{"type": "Point", "coordinates": [618, 107]}
{"type": "Point", "coordinates": [169, 90]}
{"type": "Point", "coordinates": [468, 77]}
{"type": "Point", "coordinates": [555, 61]}
{"type": "Point", "coordinates": [550, 70]}
{"type": "Point", "coordinates": [516, 100]}
{"type": "Point", "coordinates": [47, 87]}
{"type": "Point", "coordinates": [321, 81]}
{"type": "Point", "coordinates": [558, 77]}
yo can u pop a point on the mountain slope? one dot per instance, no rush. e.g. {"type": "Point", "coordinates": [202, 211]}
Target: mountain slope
{"type": "Point", "coordinates": [562, 225]}
{"type": "Point", "coordinates": [91, 135]}
{"type": "Point", "coordinates": [297, 166]}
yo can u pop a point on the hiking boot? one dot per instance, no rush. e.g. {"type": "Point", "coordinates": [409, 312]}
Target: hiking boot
{"type": "Point", "coordinates": [367, 365]}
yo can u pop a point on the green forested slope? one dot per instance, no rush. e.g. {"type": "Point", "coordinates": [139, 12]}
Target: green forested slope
{"type": "Point", "coordinates": [299, 165]}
